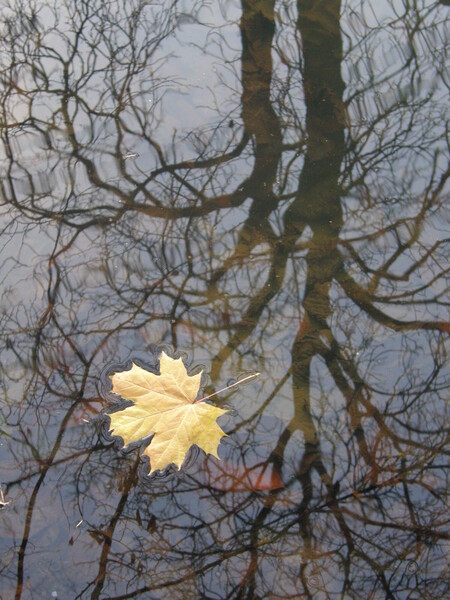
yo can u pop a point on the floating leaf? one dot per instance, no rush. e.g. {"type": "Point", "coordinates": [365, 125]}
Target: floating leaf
{"type": "Point", "coordinates": [164, 405]}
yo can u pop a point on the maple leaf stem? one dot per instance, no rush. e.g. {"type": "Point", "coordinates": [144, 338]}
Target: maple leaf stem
{"type": "Point", "coordinates": [229, 386]}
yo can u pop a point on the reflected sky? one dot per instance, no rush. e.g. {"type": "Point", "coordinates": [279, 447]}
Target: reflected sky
{"type": "Point", "coordinates": [253, 186]}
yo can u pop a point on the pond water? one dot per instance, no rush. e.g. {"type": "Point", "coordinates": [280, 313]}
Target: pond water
{"type": "Point", "coordinates": [254, 187]}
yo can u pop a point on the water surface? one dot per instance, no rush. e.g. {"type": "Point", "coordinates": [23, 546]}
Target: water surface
{"type": "Point", "coordinates": [253, 186]}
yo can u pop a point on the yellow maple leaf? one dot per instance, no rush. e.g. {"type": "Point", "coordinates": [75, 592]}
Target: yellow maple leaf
{"type": "Point", "coordinates": [164, 405]}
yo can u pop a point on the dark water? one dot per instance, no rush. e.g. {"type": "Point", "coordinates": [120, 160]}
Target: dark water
{"type": "Point", "coordinates": [254, 187]}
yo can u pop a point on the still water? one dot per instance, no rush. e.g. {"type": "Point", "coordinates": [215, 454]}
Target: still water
{"type": "Point", "coordinates": [252, 186]}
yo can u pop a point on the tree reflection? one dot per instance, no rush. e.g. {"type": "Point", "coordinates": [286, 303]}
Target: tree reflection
{"type": "Point", "coordinates": [295, 229]}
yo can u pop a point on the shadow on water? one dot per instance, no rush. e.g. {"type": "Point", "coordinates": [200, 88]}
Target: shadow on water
{"type": "Point", "coordinates": [256, 187]}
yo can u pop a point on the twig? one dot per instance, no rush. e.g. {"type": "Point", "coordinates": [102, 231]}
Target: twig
{"type": "Point", "coordinates": [229, 386]}
{"type": "Point", "coordinates": [3, 502]}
